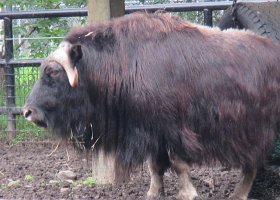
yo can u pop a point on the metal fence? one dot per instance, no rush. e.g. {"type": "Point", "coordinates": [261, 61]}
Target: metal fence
{"type": "Point", "coordinates": [18, 74]}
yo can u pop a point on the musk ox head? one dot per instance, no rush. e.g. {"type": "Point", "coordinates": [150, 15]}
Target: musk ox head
{"type": "Point", "coordinates": [59, 100]}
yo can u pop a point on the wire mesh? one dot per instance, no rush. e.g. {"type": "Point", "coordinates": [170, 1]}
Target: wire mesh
{"type": "Point", "coordinates": [25, 78]}
{"type": "Point", "coordinates": [3, 118]}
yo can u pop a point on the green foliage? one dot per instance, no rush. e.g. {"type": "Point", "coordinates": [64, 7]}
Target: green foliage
{"type": "Point", "coordinates": [25, 78]}
{"type": "Point", "coordinates": [41, 36]}
{"type": "Point", "coordinates": [160, 1]}
{"type": "Point", "coordinates": [29, 178]}
{"type": "Point", "coordinates": [3, 186]}
{"type": "Point", "coordinates": [88, 181]}
{"type": "Point", "coordinates": [30, 134]}
{"type": "Point", "coordinates": [3, 124]}
{"type": "Point", "coordinates": [46, 4]}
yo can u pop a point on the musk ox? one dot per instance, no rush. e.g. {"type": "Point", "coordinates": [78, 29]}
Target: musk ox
{"type": "Point", "coordinates": [154, 87]}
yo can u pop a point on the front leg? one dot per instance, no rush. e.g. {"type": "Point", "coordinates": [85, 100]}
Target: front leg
{"type": "Point", "coordinates": [186, 188]}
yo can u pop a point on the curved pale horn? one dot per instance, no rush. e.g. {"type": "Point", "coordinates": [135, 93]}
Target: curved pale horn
{"type": "Point", "coordinates": [62, 56]}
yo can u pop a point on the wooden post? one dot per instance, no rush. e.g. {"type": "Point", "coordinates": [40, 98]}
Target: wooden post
{"type": "Point", "coordinates": [103, 166]}
{"type": "Point", "coordinates": [103, 10]}
{"type": "Point", "coordinates": [104, 170]}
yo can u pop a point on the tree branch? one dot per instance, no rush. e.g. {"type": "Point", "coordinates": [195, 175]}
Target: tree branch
{"type": "Point", "coordinates": [23, 41]}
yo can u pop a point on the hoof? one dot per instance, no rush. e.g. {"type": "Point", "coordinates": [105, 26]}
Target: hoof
{"type": "Point", "coordinates": [187, 197]}
{"type": "Point", "coordinates": [155, 197]}
{"type": "Point", "coordinates": [237, 198]}
{"type": "Point", "coordinates": [198, 198]}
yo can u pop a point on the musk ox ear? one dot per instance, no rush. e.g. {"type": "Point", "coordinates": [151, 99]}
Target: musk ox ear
{"type": "Point", "coordinates": [76, 54]}
{"type": "Point", "coordinates": [63, 56]}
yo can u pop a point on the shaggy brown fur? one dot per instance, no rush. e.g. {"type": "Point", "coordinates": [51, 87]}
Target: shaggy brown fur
{"type": "Point", "coordinates": [216, 91]}
{"type": "Point", "coordinates": [151, 86]}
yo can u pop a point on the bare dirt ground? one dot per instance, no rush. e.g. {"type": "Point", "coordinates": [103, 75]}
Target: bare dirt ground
{"type": "Point", "coordinates": [29, 171]}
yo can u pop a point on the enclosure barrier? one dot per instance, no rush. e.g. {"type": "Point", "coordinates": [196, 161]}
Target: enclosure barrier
{"type": "Point", "coordinates": [9, 63]}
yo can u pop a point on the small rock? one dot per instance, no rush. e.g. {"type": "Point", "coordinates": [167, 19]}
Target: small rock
{"type": "Point", "coordinates": [223, 173]}
{"type": "Point", "coordinates": [13, 183]}
{"type": "Point", "coordinates": [64, 190]}
{"type": "Point", "coordinates": [66, 175]}
{"type": "Point", "coordinates": [77, 187]}
{"type": "Point", "coordinates": [53, 182]}
{"type": "Point", "coordinates": [209, 182]}
{"type": "Point", "coordinates": [28, 186]}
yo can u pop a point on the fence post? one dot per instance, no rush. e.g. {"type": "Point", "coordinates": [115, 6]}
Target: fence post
{"type": "Point", "coordinates": [103, 10]}
{"type": "Point", "coordinates": [103, 165]}
{"type": "Point", "coordinates": [10, 78]}
{"type": "Point", "coordinates": [208, 17]}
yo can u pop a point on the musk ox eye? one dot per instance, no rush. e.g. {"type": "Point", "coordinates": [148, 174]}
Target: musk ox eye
{"type": "Point", "coordinates": [52, 72]}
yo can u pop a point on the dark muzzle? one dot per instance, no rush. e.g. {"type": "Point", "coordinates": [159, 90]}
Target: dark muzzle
{"type": "Point", "coordinates": [34, 115]}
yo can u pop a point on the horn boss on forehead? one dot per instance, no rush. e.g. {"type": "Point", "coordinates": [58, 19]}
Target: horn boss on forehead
{"type": "Point", "coordinates": [62, 56]}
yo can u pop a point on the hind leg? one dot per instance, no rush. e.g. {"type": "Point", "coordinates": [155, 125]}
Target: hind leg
{"type": "Point", "coordinates": [243, 188]}
{"type": "Point", "coordinates": [186, 188]}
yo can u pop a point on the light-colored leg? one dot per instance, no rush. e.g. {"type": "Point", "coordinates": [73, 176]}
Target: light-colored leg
{"type": "Point", "coordinates": [186, 188]}
{"type": "Point", "coordinates": [243, 188]}
{"type": "Point", "coordinates": [156, 185]}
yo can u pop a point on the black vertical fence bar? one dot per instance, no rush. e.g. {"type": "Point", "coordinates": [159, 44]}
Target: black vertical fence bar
{"type": "Point", "coordinates": [10, 77]}
{"type": "Point", "coordinates": [208, 17]}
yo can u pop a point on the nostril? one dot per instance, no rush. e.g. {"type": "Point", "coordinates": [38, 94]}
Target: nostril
{"type": "Point", "coordinates": [27, 113]}
{"type": "Point", "coordinates": [35, 115]}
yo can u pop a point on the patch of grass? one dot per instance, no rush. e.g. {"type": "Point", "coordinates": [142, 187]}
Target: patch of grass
{"type": "Point", "coordinates": [3, 123]}
{"type": "Point", "coordinates": [3, 135]}
{"type": "Point", "coordinates": [3, 186]}
{"type": "Point", "coordinates": [30, 136]}
{"type": "Point", "coordinates": [29, 178]}
{"type": "Point", "coordinates": [88, 181]}
{"type": "Point", "coordinates": [25, 78]}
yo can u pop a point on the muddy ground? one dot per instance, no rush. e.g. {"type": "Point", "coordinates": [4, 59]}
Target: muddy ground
{"type": "Point", "coordinates": [29, 171]}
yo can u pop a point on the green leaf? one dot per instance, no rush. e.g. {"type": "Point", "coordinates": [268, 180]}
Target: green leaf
{"type": "Point", "coordinates": [89, 181]}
